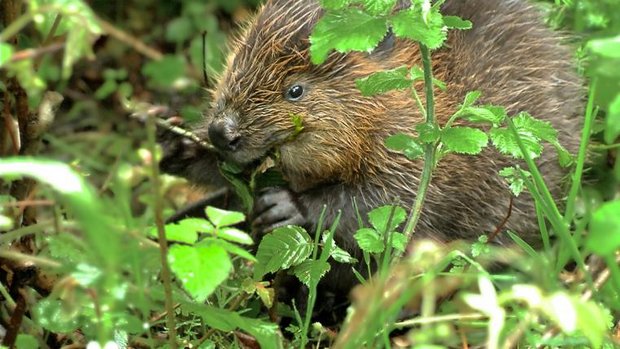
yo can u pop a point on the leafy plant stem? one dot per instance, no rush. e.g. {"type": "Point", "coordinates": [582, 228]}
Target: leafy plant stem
{"type": "Point", "coordinates": [429, 149]}
{"type": "Point", "coordinates": [161, 235]}
{"type": "Point", "coordinates": [581, 157]}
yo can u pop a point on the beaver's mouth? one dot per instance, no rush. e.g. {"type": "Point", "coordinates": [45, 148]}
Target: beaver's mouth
{"type": "Point", "coordinates": [248, 155]}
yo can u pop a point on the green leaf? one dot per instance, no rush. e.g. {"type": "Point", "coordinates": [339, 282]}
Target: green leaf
{"type": "Point", "coordinates": [428, 133]}
{"type": "Point", "coordinates": [464, 140]}
{"type": "Point", "coordinates": [6, 51]}
{"type": "Point", "coordinates": [369, 240]}
{"type": "Point", "coordinates": [200, 269]}
{"type": "Point", "coordinates": [334, 4]}
{"type": "Point", "coordinates": [608, 47]}
{"type": "Point", "coordinates": [52, 315]}
{"type": "Point", "coordinates": [379, 7]}
{"type": "Point", "coordinates": [531, 131]}
{"type": "Point", "coordinates": [26, 341]}
{"type": "Point", "coordinates": [604, 236]}
{"type": "Point", "coordinates": [223, 218]}
{"type": "Point", "coordinates": [234, 235]}
{"type": "Point", "coordinates": [284, 247]}
{"type": "Point", "coordinates": [231, 248]}
{"type": "Point", "coordinates": [410, 24]}
{"type": "Point", "coordinates": [242, 189]}
{"type": "Point", "coordinates": [165, 72]}
{"type": "Point", "coordinates": [470, 98]}
{"type": "Point", "coordinates": [337, 253]}
{"type": "Point", "coordinates": [179, 29]}
{"type": "Point", "coordinates": [399, 241]}
{"type": "Point", "coordinates": [612, 121]}
{"type": "Point", "coordinates": [514, 177]}
{"type": "Point", "coordinates": [185, 231]}
{"type": "Point", "coordinates": [492, 114]}
{"type": "Point", "coordinates": [384, 81]}
{"type": "Point", "coordinates": [380, 216]}
{"type": "Point", "coordinates": [344, 31]}
{"type": "Point", "coordinates": [406, 144]}
{"type": "Point", "coordinates": [454, 22]}
{"type": "Point", "coordinates": [309, 272]}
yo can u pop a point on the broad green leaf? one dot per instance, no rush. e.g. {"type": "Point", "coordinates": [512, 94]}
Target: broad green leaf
{"type": "Point", "coordinates": [26, 341]}
{"type": "Point", "coordinates": [165, 72]}
{"type": "Point", "coordinates": [309, 272]}
{"type": "Point", "coordinates": [379, 7]}
{"type": "Point", "coordinates": [200, 269]}
{"type": "Point", "coordinates": [6, 51]}
{"type": "Point", "coordinates": [337, 253]}
{"type": "Point", "coordinates": [369, 240]}
{"type": "Point", "coordinates": [604, 236]}
{"type": "Point", "coordinates": [179, 29]}
{"type": "Point", "coordinates": [454, 22]}
{"type": "Point", "coordinates": [399, 241]}
{"type": "Point", "coordinates": [384, 81]}
{"type": "Point", "coordinates": [234, 235]}
{"type": "Point", "coordinates": [492, 114]}
{"type": "Point", "coordinates": [428, 133]}
{"type": "Point", "coordinates": [53, 315]}
{"type": "Point", "coordinates": [185, 231]}
{"type": "Point", "coordinates": [608, 47]}
{"type": "Point", "coordinates": [526, 123]}
{"type": "Point", "coordinates": [464, 140]}
{"type": "Point", "coordinates": [506, 143]}
{"type": "Point", "coordinates": [344, 31]}
{"type": "Point", "coordinates": [334, 4]}
{"type": "Point", "coordinates": [410, 24]}
{"type": "Point", "coordinates": [230, 247]}
{"type": "Point", "coordinates": [223, 218]}
{"type": "Point", "coordinates": [381, 216]}
{"type": "Point", "coordinates": [284, 247]}
{"type": "Point", "coordinates": [471, 97]}
{"type": "Point", "coordinates": [406, 144]}
{"type": "Point", "coordinates": [612, 121]}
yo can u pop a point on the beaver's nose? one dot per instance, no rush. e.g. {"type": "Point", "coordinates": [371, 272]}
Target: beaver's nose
{"type": "Point", "coordinates": [223, 134]}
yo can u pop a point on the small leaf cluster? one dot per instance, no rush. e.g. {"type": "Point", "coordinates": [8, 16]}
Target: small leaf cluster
{"type": "Point", "coordinates": [360, 25]}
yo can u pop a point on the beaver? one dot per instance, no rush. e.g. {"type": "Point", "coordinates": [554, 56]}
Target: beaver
{"type": "Point", "coordinates": [509, 55]}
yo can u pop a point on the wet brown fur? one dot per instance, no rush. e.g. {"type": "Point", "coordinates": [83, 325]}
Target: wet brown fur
{"type": "Point", "coordinates": [509, 55]}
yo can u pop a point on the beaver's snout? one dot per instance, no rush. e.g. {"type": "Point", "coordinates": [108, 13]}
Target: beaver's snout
{"type": "Point", "coordinates": [224, 134]}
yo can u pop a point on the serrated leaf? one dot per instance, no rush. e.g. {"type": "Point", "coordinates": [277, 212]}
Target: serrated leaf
{"type": "Point", "coordinates": [604, 235]}
{"type": "Point", "coordinates": [223, 218]}
{"type": "Point", "coordinates": [337, 253]}
{"type": "Point", "coordinates": [489, 113]}
{"type": "Point", "coordinates": [464, 140]}
{"type": "Point", "coordinates": [454, 22]}
{"type": "Point", "coordinates": [369, 240]}
{"type": "Point", "coordinates": [406, 144]}
{"type": "Point", "coordinates": [524, 122]}
{"type": "Point", "coordinates": [309, 272]}
{"type": "Point", "coordinates": [399, 241]}
{"type": "Point", "coordinates": [200, 269]}
{"type": "Point", "coordinates": [428, 133]}
{"type": "Point", "coordinates": [506, 143]}
{"type": "Point", "coordinates": [334, 4]}
{"type": "Point", "coordinates": [185, 231]}
{"type": "Point", "coordinates": [344, 31]}
{"type": "Point", "coordinates": [284, 247]}
{"type": "Point", "coordinates": [384, 81]}
{"type": "Point", "coordinates": [514, 178]}
{"type": "Point", "coordinates": [471, 97]}
{"type": "Point", "coordinates": [379, 7]}
{"type": "Point", "coordinates": [380, 216]}
{"type": "Point", "coordinates": [231, 248]}
{"type": "Point", "coordinates": [234, 235]}
{"type": "Point", "coordinates": [411, 24]}
{"type": "Point", "coordinates": [612, 121]}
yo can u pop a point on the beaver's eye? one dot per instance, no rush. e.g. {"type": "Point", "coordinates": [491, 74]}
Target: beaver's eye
{"type": "Point", "coordinates": [294, 92]}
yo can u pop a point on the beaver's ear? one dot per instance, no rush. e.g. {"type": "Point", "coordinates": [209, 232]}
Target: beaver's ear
{"type": "Point", "coordinates": [385, 47]}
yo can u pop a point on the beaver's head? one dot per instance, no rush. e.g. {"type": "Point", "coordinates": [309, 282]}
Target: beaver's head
{"type": "Point", "coordinates": [270, 83]}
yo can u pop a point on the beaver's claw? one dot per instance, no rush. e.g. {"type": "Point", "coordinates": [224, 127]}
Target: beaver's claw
{"type": "Point", "coordinates": [276, 207]}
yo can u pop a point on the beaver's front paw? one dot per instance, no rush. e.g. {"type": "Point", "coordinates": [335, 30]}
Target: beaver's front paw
{"type": "Point", "coordinates": [276, 207]}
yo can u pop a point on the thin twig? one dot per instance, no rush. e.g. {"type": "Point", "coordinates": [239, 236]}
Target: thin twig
{"type": "Point", "coordinates": [501, 226]}
{"type": "Point", "coordinates": [130, 40]}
